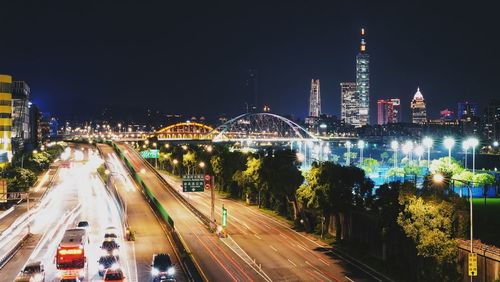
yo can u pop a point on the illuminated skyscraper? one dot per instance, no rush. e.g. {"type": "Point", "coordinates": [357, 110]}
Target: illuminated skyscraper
{"type": "Point", "coordinates": [388, 111]}
{"type": "Point", "coordinates": [419, 114]}
{"type": "Point", "coordinates": [363, 82]}
{"type": "Point", "coordinates": [349, 111]}
{"type": "Point", "coordinates": [315, 99]}
{"type": "Point", "coordinates": [5, 118]}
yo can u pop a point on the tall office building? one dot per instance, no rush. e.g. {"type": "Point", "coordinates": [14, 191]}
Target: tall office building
{"type": "Point", "coordinates": [388, 111]}
{"type": "Point", "coordinates": [467, 110]}
{"type": "Point", "coordinates": [363, 82]}
{"type": "Point", "coordinates": [349, 111]}
{"type": "Point", "coordinates": [315, 99]}
{"type": "Point", "coordinates": [418, 111]}
{"type": "Point", "coordinates": [20, 115]}
{"type": "Point", "coordinates": [5, 118]}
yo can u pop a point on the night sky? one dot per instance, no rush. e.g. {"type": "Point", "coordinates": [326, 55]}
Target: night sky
{"type": "Point", "coordinates": [193, 57]}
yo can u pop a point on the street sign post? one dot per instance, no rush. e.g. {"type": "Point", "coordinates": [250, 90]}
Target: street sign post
{"type": "Point", "coordinates": [472, 264]}
{"type": "Point", "coordinates": [193, 183]}
{"type": "Point", "coordinates": [224, 217]}
{"type": "Point", "coordinates": [150, 154]}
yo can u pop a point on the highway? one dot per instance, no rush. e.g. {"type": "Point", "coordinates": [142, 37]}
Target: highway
{"type": "Point", "coordinates": [285, 255]}
{"type": "Point", "coordinates": [150, 236]}
{"type": "Point", "coordinates": [77, 194]}
{"type": "Point", "coordinates": [214, 258]}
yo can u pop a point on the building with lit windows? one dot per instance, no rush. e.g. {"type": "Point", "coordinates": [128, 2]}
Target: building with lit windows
{"type": "Point", "coordinates": [467, 111]}
{"type": "Point", "coordinates": [5, 118]}
{"type": "Point", "coordinates": [20, 115]}
{"type": "Point", "coordinates": [349, 111]}
{"type": "Point", "coordinates": [388, 111]}
{"type": "Point", "coordinates": [315, 99]}
{"type": "Point", "coordinates": [363, 82]}
{"type": "Point", "coordinates": [418, 111]}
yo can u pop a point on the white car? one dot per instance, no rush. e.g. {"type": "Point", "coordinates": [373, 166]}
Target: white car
{"type": "Point", "coordinates": [32, 272]}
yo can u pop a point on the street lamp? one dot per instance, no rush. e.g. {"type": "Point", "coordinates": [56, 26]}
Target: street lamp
{"type": "Point", "coordinates": [419, 151]}
{"type": "Point", "coordinates": [174, 161]}
{"type": "Point", "coordinates": [348, 146]}
{"type": "Point", "coordinates": [465, 146]}
{"type": "Point", "coordinates": [428, 142]}
{"type": "Point", "coordinates": [473, 142]}
{"type": "Point", "coordinates": [448, 144]}
{"type": "Point", "coordinates": [361, 146]}
{"type": "Point", "coordinates": [407, 149]}
{"type": "Point", "coordinates": [394, 147]}
{"type": "Point", "coordinates": [439, 178]}
{"type": "Point", "coordinates": [202, 165]}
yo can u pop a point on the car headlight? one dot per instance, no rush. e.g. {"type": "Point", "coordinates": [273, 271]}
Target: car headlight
{"type": "Point", "coordinates": [154, 271]}
{"type": "Point", "coordinates": [115, 252]}
{"type": "Point", "coordinates": [115, 266]}
{"type": "Point", "coordinates": [171, 271]}
{"type": "Point", "coordinates": [38, 277]}
{"type": "Point", "coordinates": [101, 267]}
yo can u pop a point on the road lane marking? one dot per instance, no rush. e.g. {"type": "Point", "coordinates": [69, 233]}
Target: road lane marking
{"type": "Point", "coordinates": [324, 261]}
{"type": "Point", "coordinates": [301, 247]}
{"type": "Point", "coordinates": [292, 262]}
{"type": "Point", "coordinates": [257, 236]}
{"type": "Point", "coordinates": [272, 247]}
{"type": "Point", "coordinates": [349, 279]}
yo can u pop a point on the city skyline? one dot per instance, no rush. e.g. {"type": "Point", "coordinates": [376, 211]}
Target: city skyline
{"type": "Point", "coordinates": [211, 69]}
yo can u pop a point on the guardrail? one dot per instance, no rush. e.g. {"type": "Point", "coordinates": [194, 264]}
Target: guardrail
{"type": "Point", "coordinates": [10, 254]}
{"type": "Point", "coordinates": [194, 274]}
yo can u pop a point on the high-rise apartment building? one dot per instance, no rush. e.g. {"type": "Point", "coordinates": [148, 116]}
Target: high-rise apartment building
{"type": "Point", "coordinates": [418, 111]}
{"type": "Point", "coordinates": [363, 82]}
{"type": "Point", "coordinates": [5, 118]}
{"type": "Point", "coordinates": [349, 111]}
{"type": "Point", "coordinates": [315, 99]}
{"type": "Point", "coordinates": [20, 115]}
{"type": "Point", "coordinates": [467, 110]}
{"type": "Point", "coordinates": [388, 111]}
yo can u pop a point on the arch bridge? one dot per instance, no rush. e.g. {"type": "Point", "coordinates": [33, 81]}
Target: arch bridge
{"type": "Point", "coordinates": [185, 131]}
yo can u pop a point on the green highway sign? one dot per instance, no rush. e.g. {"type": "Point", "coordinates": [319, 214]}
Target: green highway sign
{"type": "Point", "coordinates": [150, 154]}
{"type": "Point", "coordinates": [193, 183]}
{"type": "Point", "coordinates": [224, 217]}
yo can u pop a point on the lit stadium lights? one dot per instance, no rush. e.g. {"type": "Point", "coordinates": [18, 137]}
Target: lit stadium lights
{"type": "Point", "coordinates": [449, 142]}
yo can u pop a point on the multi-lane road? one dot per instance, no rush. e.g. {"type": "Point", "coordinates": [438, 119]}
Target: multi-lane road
{"type": "Point", "coordinates": [215, 260]}
{"type": "Point", "coordinates": [259, 247]}
{"type": "Point", "coordinates": [76, 194]}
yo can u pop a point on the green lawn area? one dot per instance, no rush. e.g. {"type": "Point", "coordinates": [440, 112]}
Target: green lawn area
{"type": "Point", "coordinates": [487, 220]}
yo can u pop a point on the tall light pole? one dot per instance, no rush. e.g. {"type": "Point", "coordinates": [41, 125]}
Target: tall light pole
{"type": "Point", "coordinates": [449, 142]}
{"type": "Point", "coordinates": [428, 142]}
{"type": "Point", "coordinates": [394, 147]}
{"type": "Point", "coordinates": [419, 151]}
{"type": "Point", "coordinates": [348, 146]}
{"type": "Point", "coordinates": [473, 142]}
{"type": "Point", "coordinates": [361, 146]}
{"type": "Point", "coordinates": [465, 146]}
{"type": "Point", "coordinates": [407, 149]}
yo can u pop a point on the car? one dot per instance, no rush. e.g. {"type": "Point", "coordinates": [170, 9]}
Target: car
{"type": "Point", "coordinates": [162, 268]}
{"type": "Point", "coordinates": [84, 224]}
{"type": "Point", "coordinates": [115, 275]}
{"type": "Point", "coordinates": [32, 272]}
{"type": "Point", "coordinates": [110, 233]}
{"type": "Point", "coordinates": [70, 279]}
{"type": "Point", "coordinates": [110, 248]}
{"type": "Point", "coordinates": [106, 262]}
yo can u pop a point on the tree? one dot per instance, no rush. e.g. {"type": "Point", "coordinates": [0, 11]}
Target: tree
{"type": "Point", "coordinates": [384, 156]}
{"type": "Point", "coordinates": [281, 176]}
{"type": "Point", "coordinates": [20, 179]}
{"type": "Point", "coordinates": [249, 180]}
{"type": "Point", "coordinates": [395, 172]}
{"type": "Point", "coordinates": [352, 156]}
{"type": "Point", "coordinates": [482, 179]}
{"type": "Point", "coordinates": [189, 161]}
{"type": "Point", "coordinates": [370, 165]}
{"type": "Point", "coordinates": [429, 223]}
{"type": "Point", "coordinates": [225, 164]}
{"type": "Point", "coordinates": [446, 165]}
{"type": "Point", "coordinates": [335, 158]}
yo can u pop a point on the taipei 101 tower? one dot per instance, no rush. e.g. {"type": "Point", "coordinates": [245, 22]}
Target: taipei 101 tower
{"type": "Point", "coordinates": [363, 82]}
